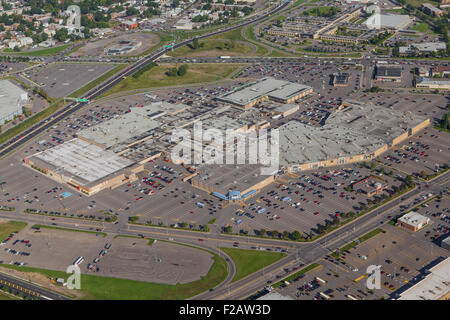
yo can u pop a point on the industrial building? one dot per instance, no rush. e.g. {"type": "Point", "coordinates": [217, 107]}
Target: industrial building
{"type": "Point", "coordinates": [433, 83]}
{"type": "Point", "coordinates": [267, 88]}
{"type": "Point", "coordinates": [413, 221]}
{"type": "Point", "coordinates": [12, 101]}
{"type": "Point", "coordinates": [435, 284]}
{"type": "Point", "coordinates": [385, 72]}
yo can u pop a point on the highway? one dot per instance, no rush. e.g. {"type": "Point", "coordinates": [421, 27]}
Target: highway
{"type": "Point", "coordinates": [67, 110]}
{"type": "Point", "coordinates": [29, 288]}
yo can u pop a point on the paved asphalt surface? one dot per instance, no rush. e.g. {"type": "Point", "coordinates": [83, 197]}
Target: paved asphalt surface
{"type": "Point", "coordinates": [298, 252]}
{"type": "Point", "coordinates": [35, 130]}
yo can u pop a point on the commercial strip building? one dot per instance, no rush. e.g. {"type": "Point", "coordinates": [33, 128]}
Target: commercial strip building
{"type": "Point", "coordinates": [370, 186]}
{"type": "Point", "coordinates": [422, 47]}
{"type": "Point", "coordinates": [267, 88]}
{"type": "Point", "coordinates": [440, 71]}
{"type": "Point", "coordinates": [340, 79]}
{"type": "Point", "coordinates": [413, 221]}
{"type": "Point", "coordinates": [431, 10]}
{"type": "Point", "coordinates": [12, 101]}
{"type": "Point", "coordinates": [434, 285]}
{"type": "Point", "coordinates": [433, 83]}
{"type": "Point", "coordinates": [385, 72]}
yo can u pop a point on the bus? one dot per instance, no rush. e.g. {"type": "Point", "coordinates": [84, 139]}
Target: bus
{"type": "Point", "coordinates": [325, 296]}
{"type": "Point", "coordinates": [79, 261]}
{"type": "Point", "coordinates": [321, 280]}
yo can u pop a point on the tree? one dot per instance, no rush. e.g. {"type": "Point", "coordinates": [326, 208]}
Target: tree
{"type": "Point", "coordinates": [296, 235]}
{"type": "Point", "coordinates": [195, 43]}
{"type": "Point", "coordinates": [262, 232]}
{"type": "Point", "coordinates": [182, 70]}
{"type": "Point", "coordinates": [228, 229]}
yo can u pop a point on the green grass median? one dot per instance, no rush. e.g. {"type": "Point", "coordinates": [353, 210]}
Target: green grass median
{"type": "Point", "coordinates": [250, 261]}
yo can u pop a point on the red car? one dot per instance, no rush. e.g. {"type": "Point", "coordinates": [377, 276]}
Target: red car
{"type": "Point", "coordinates": [200, 240]}
{"type": "Point", "coordinates": [316, 213]}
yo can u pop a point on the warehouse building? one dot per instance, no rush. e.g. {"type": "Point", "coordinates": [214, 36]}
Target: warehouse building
{"type": "Point", "coordinates": [267, 88]}
{"type": "Point", "coordinates": [413, 221]}
{"type": "Point", "coordinates": [12, 101]}
{"type": "Point", "coordinates": [385, 72]}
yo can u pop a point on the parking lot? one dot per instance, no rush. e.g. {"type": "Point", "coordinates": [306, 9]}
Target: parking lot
{"type": "Point", "coordinates": [59, 79]}
{"type": "Point", "coordinates": [303, 202]}
{"type": "Point", "coordinates": [401, 254]}
{"type": "Point", "coordinates": [421, 155]}
{"type": "Point", "coordinates": [122, 257]}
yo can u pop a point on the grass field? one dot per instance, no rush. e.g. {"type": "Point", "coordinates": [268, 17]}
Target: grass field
{"type": "Point", "coordinates": [213, 48]}
{"type": "Point", "coordinates": [106, 288]}
{"type": "Point", "coordinates": [43, 52]}
{"type": "Point", "coordinates": [4, 296]}
{"type": "Point", "coordinates": [157, 77]}
{"type": "Point", "coordinates": [6, 228]}
{"type": "Point", "coordinates": [421, 27]}
{"type": "Point", "coordinates": [250, 261]}
{"type": "Point", "coordinates": [67, 229]}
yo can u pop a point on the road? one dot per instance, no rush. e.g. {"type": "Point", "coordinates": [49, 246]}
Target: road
{"type": "Point", "coordinates": [298, 252]}
{"type": "Point", "coordinates": [29, 288]}
{"type": "Point", "coordinates": [67, 110]}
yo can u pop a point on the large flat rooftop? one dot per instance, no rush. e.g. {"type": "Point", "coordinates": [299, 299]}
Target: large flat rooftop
{"type": "Point", "coordinates": [11, 97]}
{"type": "Point", "coordinates": [81, 161]}
{"type": "Point", "coordinates": [115, 131]}
{"type": "Point", "coordinates": [355, 130]}
{"type": "Point", "coordinates": [265, 87]}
